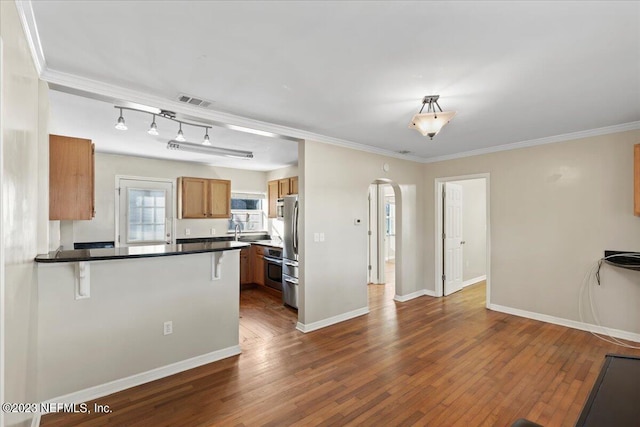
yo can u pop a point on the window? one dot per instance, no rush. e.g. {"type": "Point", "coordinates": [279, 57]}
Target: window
{"type": "Point", "coordinates": [247, 211]}
{"type": "Point", "coordinates": [146, 215]}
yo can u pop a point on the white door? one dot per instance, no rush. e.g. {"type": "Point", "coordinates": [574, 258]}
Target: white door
{"type": "Point", "coordinates": [145, 212]}
{"type": "Point", "coordinates": [452, 238]}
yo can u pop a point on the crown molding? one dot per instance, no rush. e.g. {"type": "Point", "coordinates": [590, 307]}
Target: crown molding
{"type": "Point", "coordinates": [28, 20]}
{"type": "Point", "coordinates": [539, 141]}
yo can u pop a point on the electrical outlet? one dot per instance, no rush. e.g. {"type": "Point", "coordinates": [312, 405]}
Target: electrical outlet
{"type": "Point", "coordinates": [168, 327]}
{"type": "Point", "coordinates": [316, 237]}
{"type": "Point", "coordinates": [187, 232]}
{"type": "Point", "coordinates": [322, 237]}
{"type": "Point", "coordinates": [213, 231]}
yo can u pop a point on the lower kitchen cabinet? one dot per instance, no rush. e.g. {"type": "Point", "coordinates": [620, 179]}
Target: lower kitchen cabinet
{"type": "Point", "coordinates": [258, 265]}
{"type": "Point", "coordinates": [246, 266]}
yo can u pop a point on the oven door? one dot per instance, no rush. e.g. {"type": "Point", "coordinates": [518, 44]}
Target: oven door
{"type": "Point", "coordinates": [273, 273]}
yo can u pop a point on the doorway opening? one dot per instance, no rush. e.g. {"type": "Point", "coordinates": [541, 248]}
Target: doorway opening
{"type": "Point", "coordinates": [462, 234]}
{"type": "Point", "coordinates": [382, 236]}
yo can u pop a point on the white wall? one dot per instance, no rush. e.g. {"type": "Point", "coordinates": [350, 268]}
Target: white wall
{"type": "Point", "coordinates": [101, 228]}
{"type": "Point", "coordinates": [554, 210]}
{"type": "Point", "coordinates": [24, 176]}
{"type": "Point", "coordinates": [474, 232]}
{"type": "Point", "coordinates": [334, 184]}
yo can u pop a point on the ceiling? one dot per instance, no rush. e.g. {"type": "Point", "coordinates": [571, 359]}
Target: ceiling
{"type": "Point", "coordinates": [351, 72]}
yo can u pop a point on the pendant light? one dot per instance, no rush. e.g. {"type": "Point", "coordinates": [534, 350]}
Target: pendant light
{"type": "Point", "coordinates": [431, 122]}
{"type": "Point", "coordinates": [206, 140]}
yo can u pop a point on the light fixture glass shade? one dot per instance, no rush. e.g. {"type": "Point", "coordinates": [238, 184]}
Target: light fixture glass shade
{"type": "Point", "coordinates": [429, 124]}
{"type": "Point", "coordinates": [213, 151]}
{"type": "Point", "coordinates": [153, 129]}
{"type": "Point", "coordinates": [120, 125]}
{"type": "Point", "coordinates": [180, 136]}
{"type": "Point", "coordinates": [206, 140]}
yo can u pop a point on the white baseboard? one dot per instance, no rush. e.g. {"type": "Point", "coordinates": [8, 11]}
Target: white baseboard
{"type": "Point", "coordinates": [115, 386]}
{"type": "Point", "coordinates": [589, 327]}
{"type": "Point", "coordinates": [331, 320]}
{"type": "Point", "coordinates": [420, 293]}
{"type": "Point", "coordinates": [474, 281]}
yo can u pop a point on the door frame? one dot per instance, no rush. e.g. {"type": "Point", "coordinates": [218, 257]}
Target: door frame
{"type": "Point", "coordinates": [438, 204]}
{"type": "Point", "coordinates": [116, 196]}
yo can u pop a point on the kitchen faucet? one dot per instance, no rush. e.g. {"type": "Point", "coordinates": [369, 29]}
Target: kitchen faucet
{"type": "Point", "coordinates": [237, 230]}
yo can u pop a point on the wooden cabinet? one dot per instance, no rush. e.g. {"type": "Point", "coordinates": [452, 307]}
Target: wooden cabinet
{"type": "Point", "coordinates": [245, 266]}
{"type": "Point", "coordinates": [71, 178]}
{"type": "Point", "coordinates": [279, 188]}
{"type": "Point", "coordinates": [204, 198]}
{"type": "Point", "coordinates": [636, 180]}
{"type": "Point", "coordinates": [293, 185]}
{"type": "Point", "coordinates": [283, 187]}
{"type": "Point", "coordinates": [258, 265]}
{"type": "Point", "coordinates": [272, 188]}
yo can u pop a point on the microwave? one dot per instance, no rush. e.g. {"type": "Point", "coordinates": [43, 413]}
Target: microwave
{"type": "Point", "coordinates": [280, 208]}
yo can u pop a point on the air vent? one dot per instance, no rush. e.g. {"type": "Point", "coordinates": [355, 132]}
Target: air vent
{"type": "Point", "coordinates": [403, 152]}
{"type": "Point", "coordinates": [188, 99]}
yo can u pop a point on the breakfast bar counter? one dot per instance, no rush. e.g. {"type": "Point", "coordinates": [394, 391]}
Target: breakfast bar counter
{"type": "Point", "coordinates": [112, 318]}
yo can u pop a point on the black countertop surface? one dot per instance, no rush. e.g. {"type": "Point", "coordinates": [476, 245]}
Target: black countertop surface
{"type": "Point", "coordinates": [138, 251]}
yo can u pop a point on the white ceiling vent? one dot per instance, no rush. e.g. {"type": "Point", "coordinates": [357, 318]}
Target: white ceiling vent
{"type": "Point", "coordinates": [188, 99]}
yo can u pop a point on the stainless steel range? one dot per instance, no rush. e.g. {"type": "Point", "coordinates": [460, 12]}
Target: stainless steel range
{"type": "Point", "coordinates": [273, 268]}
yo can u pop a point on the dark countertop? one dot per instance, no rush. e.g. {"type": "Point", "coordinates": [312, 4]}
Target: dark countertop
{"type": "Point", "coordinates": [270, 243]}
{"type": "Point", "coordinates": [138, 251]}
{"type": "Point", "coordinates": [622, 259]}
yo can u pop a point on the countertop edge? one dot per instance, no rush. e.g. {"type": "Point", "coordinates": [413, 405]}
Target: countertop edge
{"type": "Point", "coordinates": [47, 259]}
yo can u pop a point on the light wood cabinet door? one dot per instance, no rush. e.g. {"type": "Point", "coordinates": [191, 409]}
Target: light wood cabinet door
{"type": "Point", "coordinates": [71, 178]}
{"type": "Point", "coordinates": [204, 198]}
{"type": "Point", "coordinates": [192, 197]}
{"type": "Point", "coordinates": [636, 179]}
{"type": "Point", "coordinates": [283, 187]}
{"type": "Point", "coordinates": [258, 265]}
{"type": "Point", "coordinates": [245, 266]}
{"type": "Point", "coordinates": [219, 198]}
{"type": "Point", "coordinates": [293, 185]}
{"type": "Point", "coordinates": [272, 187]}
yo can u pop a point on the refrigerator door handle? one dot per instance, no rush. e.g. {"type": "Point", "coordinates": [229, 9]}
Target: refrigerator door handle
{"type": "Point", "coordinates": [294, 228]}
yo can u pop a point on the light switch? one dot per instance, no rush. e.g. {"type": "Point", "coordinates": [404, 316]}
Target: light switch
{"type": "Point", "coordinates": [316, 237]}
{"type": "Point", "coordinates": [187, 232]}
{"type": "Point", "coordinates": [322, 237]}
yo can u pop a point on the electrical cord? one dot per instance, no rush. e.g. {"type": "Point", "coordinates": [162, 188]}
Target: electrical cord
{"type": "Point", "coordinates": [594, 272]}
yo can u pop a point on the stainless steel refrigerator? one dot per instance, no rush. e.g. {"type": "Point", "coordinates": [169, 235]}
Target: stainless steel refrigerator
{"type": "Point", "coordinates": [290, 252]}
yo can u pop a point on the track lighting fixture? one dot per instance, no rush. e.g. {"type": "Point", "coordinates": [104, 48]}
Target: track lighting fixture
{"type": "Point", "coordinates": [179, 143]}
{"type": "Point", "coordinates": [153, 129]}
{"type": "Point", "coordinates": [120, 124]}
{"type": "Point", "coordinates": [431, 122]}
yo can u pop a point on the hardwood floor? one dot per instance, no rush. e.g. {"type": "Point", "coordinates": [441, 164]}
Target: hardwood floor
{"type": "Point", "coordinates": [428, 361]}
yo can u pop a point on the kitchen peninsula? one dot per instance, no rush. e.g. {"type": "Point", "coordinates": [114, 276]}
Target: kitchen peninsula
{"type": "Point", "coordinates": [113, 318]}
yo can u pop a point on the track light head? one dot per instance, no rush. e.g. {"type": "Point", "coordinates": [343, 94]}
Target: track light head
{"type": "Point", "coordinates": [120, 125]}
{"type": "Point", "coordinates": [153, 129]}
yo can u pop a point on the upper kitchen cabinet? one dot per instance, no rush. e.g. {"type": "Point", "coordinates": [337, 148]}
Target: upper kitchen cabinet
{"type": "Point", "coordinates": [279, 188]}
{"type": "Point", "coordinates": [71, 178]}
{"type": "Point", "coordinates": [204, 198]}
{"type": "Point", "coordinates": [272, 189]}
{"type": "Point", "coordinates": [293, 185]}
{"type": "Point", "coordinates": [283, 187]}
